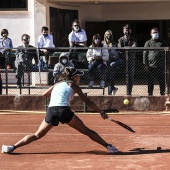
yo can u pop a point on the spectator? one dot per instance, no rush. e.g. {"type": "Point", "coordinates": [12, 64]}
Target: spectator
{"type": "Point", "coordinates": [24, 57]}
{"type": "Point", "coordinates": [77, 38]}
{"type": "Point", "coordinates": [114, 61]}
{"type": "Point", "coordinates": [128, 41]}
{"type": "Point", "coordinates": [61, 65]}
{"type": "Point", "coordinates": [46, 41]}
{"type": "Point", "coordinates": [5, 43]}
{"type": "Point", "coordinates": [154, 61]}
{"type": "Point", "coordinates": [97, 59]}
{"type": "Point", "coordinates": [0, 85]}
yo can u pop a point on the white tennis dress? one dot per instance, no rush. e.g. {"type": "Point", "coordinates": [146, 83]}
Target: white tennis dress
{"type": "Point", "coordinates": [61, 95]}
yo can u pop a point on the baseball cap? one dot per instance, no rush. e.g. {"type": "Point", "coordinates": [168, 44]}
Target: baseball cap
{"type": "Point", "coordinates": [77, 72]}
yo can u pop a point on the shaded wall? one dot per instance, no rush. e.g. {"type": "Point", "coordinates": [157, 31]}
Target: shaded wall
{"type": "Point", "coordinates": [36, 103]}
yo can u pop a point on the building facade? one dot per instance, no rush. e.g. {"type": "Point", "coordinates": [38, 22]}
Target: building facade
{"type": "Point", "coordinates": [94, 17]}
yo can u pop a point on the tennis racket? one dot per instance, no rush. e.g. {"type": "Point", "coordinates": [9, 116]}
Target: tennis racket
{"type": "Point", "coordinates": [121, 124]}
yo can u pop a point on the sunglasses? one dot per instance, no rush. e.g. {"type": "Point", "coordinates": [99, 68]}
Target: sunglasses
{"type": "Point", "coordinates": [76, 25]}
{"type": "Point", "coordinates": [25, 39]}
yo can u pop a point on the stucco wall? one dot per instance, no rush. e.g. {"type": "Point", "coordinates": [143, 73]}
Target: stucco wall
{"type": "Point", "coordinates": [31, 21]}
{"type": "Point", "coordinates": [18, 23]}
{"type": "Point", "coordinates": [132, 11]}
{"type": "Point", "coordinates": [122, 11]}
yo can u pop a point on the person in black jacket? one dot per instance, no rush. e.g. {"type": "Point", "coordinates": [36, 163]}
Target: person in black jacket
{"type": "Point", "coordinates": [128, 41]}
{"type": "Point", "coordinates": [154, 61]}
{"type": "Point", "coordinates": [24, 55]}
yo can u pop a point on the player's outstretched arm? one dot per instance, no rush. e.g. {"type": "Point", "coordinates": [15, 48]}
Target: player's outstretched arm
{"type": "Point", "coordinates": [91, 104]}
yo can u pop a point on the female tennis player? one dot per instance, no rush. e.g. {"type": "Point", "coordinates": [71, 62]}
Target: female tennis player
{"type": "Point", "coordinates": [59, 111]}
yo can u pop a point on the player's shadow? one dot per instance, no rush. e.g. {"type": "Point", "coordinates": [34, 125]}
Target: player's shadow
{"type": "Point", "coordinates": [135, 151]}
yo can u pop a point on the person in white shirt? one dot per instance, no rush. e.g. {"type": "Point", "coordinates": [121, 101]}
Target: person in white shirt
{"type": "Point", "coordinates": [5, 43]}
{"type": "Point", "coordinates": [97, 59]}
{"type": "Point", "coordinates": [45, 41]}
{"type": "Point", "coordinates": [77, 38]}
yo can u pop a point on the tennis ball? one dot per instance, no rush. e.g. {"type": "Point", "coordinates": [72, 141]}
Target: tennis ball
{"type": "Point", "coordinates": [126, 101]}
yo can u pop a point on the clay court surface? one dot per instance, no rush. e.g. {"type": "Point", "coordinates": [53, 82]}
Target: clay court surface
{"type": "Point", "coordinates": [64, 148]}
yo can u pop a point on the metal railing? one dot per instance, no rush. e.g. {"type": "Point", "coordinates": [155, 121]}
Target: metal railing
{"type": "Point", "coordinates": [128, 74]}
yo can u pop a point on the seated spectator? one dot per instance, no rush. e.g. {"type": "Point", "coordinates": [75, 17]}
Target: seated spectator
{"type": "Point", "coordinates": [97, 59]}
{"type": "Point", "coordinates": [77, 38]}
{"type": "Point", "coordinates": [46, 41]}
{"type": "Point", "coordinates": [61, 65]}
{"type": "Point", "coordinates": [0, 85]}
{"type": "Point", "coordinates": [24, 57]}
{"type": "Point", "coordinates": [114, 61]}
{"type": "Point", "coordinates": [5, 43]}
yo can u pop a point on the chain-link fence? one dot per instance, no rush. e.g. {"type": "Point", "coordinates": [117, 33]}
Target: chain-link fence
{"type": "Point", "coordinates": [135, 71]}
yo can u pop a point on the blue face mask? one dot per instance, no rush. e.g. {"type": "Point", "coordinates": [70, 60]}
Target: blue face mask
{"type": "Point", "coordinates": [155, 36]}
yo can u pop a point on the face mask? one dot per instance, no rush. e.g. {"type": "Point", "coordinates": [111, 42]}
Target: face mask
{"type": "Point", "coordinates": [64, 61]}
{"type": "Point", "coordinates": [76, 29]}
{"type": "Point", "coordinates": [5, 36]}
{"type": "Point", "coordinates": [45, 35]}
{"type": "Point", "coordinates": [108, 37]}
{"type": "Point", "coordinates": [155, 36]}
{"type": "Point", "coordinates": [127, 33]}
{"type": "Point", "coordinates": [97, 41]}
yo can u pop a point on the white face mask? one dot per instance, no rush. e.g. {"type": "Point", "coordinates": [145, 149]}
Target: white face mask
{"type": "Point", "coordinates": [64, 61]}
{"type": "Point", "coordinates": [76, 29]}
{"type": "Point", "coordinates": [97, 41]}
{"type": "Point", "coordinates": [155, 36]}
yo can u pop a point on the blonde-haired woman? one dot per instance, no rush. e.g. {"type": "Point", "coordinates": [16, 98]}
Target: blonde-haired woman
{"type": "Point", "coordinates": [113, 61]}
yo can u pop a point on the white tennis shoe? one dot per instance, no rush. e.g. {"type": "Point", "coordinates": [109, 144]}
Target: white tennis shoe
{"type": "Point", "coordinates": [7, 149]}
{"type": "Point", "coordinates": [111, 149]}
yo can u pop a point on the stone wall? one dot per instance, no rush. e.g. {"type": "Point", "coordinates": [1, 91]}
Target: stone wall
{"type": "Point", "coordinates": [36, 103]}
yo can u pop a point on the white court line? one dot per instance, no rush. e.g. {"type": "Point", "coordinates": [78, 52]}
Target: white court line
{"type": "Point", "coordinates": [95, 126]}
{"type": "Point", "coordinates": [65, 134]}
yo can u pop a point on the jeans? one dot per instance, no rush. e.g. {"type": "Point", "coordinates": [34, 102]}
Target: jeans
{"type": "Point", "coordinates": [97, 68]}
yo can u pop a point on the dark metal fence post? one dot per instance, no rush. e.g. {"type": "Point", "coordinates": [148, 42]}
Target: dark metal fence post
{"type": "Point", "coordinates": [127, 72]}
{"type": "Point", "coordinates": [167, 69]}
{"type": "Point", "coordinates": [29, 83]}
{"type": "Point", "coordinates": [6, 73]}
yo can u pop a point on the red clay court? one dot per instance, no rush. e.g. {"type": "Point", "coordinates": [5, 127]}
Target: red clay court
{"type": "Point", "coordinates": [64, 148]}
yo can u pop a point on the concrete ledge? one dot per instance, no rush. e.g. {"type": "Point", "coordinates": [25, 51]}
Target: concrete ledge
{"type": "Point", "coordinates": [36, 103]}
